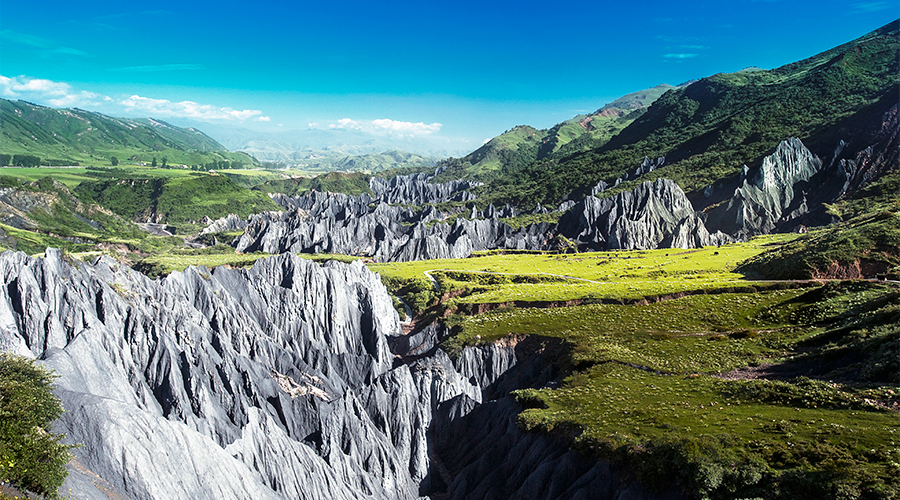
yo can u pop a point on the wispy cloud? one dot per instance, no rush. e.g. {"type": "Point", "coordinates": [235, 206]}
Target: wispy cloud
{"type": "Point", "coordinates": [48, 46]}
{"type": "Point", "coordinates": [871, 6]}
{"type": "Point", "coordinates": [160, 67]}
{"type": "Point", "coordinates": [680, 56]}
{"type": "Point", "coordinates": [188, 109]}
{"type": "Point", "coordinates": [388, 126]}
{"type": "Point", "coordinates": [25, 39]}
{"type": "Point", "coordinates": [57, 94]}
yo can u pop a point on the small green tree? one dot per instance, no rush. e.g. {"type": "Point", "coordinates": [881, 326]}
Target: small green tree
{"type": "Point", "coordinates": [165, 162]}
{"type": "Point", "coordinates": [113, 161]}
{"type": "Point", "coordinates": [154, 162]}
{"type": "Point", "coordinates": [31, 456]}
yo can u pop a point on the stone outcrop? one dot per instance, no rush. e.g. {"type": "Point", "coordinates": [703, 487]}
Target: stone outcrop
{"type": "Point", "coordinates": [653, 215]}
{"type": "Point", "coordinates": [273, 382]}
{"type": "Point", "coordinates": [357, 225]}
{"type": "Point", "coordinates": [415, 189]}
{"type": "Point", "coordinates": [230, 222]}
{"type": "Point", "coordinates": [770, 195]}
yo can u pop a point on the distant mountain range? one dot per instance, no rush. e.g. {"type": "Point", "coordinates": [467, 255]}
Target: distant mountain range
{"type": "Point", "coordinates": [300, 146]}
{"type": "Point", "coordinates": [75, 136]}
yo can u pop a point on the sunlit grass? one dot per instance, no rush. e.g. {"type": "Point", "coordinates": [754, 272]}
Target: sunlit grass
{"type": "Point", "coordinates": [597, 275]}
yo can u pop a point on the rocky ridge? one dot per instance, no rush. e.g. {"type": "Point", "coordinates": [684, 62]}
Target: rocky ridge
{"type": "Point", "coordinates": [653, 215]}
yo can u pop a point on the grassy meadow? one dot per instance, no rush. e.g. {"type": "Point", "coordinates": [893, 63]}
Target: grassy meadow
{"type": "Point", "coordinates": [497, 277]}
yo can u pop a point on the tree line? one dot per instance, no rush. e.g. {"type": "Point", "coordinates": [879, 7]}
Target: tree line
{"type": "Point", "coordinates": [32, 161]}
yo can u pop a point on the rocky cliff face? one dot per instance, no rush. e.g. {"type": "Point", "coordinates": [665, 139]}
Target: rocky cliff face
{"type": "Point", "coordinates": [653, 215]}
{"type": "Point", "coordinates": [791, 185]}
{"type": "Point", "coordinates": [770, 195]}
{"type": "Point", "coordinates": [275, 382]}
{"type": "Point", "coordinates": [272, 382]}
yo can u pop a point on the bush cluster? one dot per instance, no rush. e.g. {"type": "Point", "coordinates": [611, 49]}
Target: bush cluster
{"type": "Point", "coordinates": [31, 456]}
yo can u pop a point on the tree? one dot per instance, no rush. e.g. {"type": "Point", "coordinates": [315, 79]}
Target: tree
{"type": "Point", "coordinates": [31, 457]}
{"type": "Point", "coordinates": [154, 162]}
{"type": "Point", "coordinates": [164, 161]}
{"type": "Point", "coordinates": [26, 161]}
{"type": "Point", "coordinates": [5, 159]}
{"type": "Point", "coordinates": [113, 161]}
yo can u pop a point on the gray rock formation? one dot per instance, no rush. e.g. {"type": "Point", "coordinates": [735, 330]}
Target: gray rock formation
{"type": "Point", "coordinates": [357, 225]}
{"type": "Point", "coordinates": [645, 167]}
{"type": "Point", "coordinates": [273, 382]}
{"type": "Point", "coordinates": [653, 215]}
{"type": "Point", "coordinates": [415, 189]}
{"type": "Point", "coordinates": [230, 222]}
{"type": "Point", "coordinates": [770, 195]}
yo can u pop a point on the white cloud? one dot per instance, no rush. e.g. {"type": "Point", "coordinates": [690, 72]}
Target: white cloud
{"type": "Point", "coordinates": [62, 95]}
{"type": "Point", "coordinates": [57, 94]}
{"type": "Point", "coordinates": [387, 126]}
{"type": "Point", "coordinates": [407, 127]}
{"type": "Point", "coordinates": [679, 56]}
{"type": "Point", "coordinates": [187, 109]}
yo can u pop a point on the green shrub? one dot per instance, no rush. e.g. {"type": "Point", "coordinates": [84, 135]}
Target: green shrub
{"type": "Point", "coordinates": [31, 457]}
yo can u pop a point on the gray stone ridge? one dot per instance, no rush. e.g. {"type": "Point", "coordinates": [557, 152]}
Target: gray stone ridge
{"type": "Point", "coordinates": [653, 215]}
{"type": "Point", "coordinates": [416, 189]}
{"type": "Point", "coordinates": [273, 382]}
{"type": "Point", "coordinates": [357, 225]}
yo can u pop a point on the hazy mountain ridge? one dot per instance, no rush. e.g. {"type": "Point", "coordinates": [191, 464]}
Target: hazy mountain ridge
{"type": "Point", "coordinates": [307, 146]}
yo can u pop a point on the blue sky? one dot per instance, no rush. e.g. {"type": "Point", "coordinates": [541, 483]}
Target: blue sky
{"type": "Point", "coordinates": [461, 71]}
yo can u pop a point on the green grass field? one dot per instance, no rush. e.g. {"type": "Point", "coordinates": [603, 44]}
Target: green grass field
{"type": "Point", "coordinates": [498, 278]}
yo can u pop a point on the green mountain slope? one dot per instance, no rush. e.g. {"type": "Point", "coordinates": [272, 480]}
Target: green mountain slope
{"type": "Point", "coordinates": [512, 149]}
{"type": "Point", "coordinates": [710, 128]}
{"type": "Point", "coordinates": [352, 183]}
{"type": "Point", "coordinates": [35, 215]}
{"type": "Point", "coordinates": [523, 145]}
{"type": "Point", "coordinates": [75, 136]}
{"type": "Point", "coordinates": [586, 132]}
